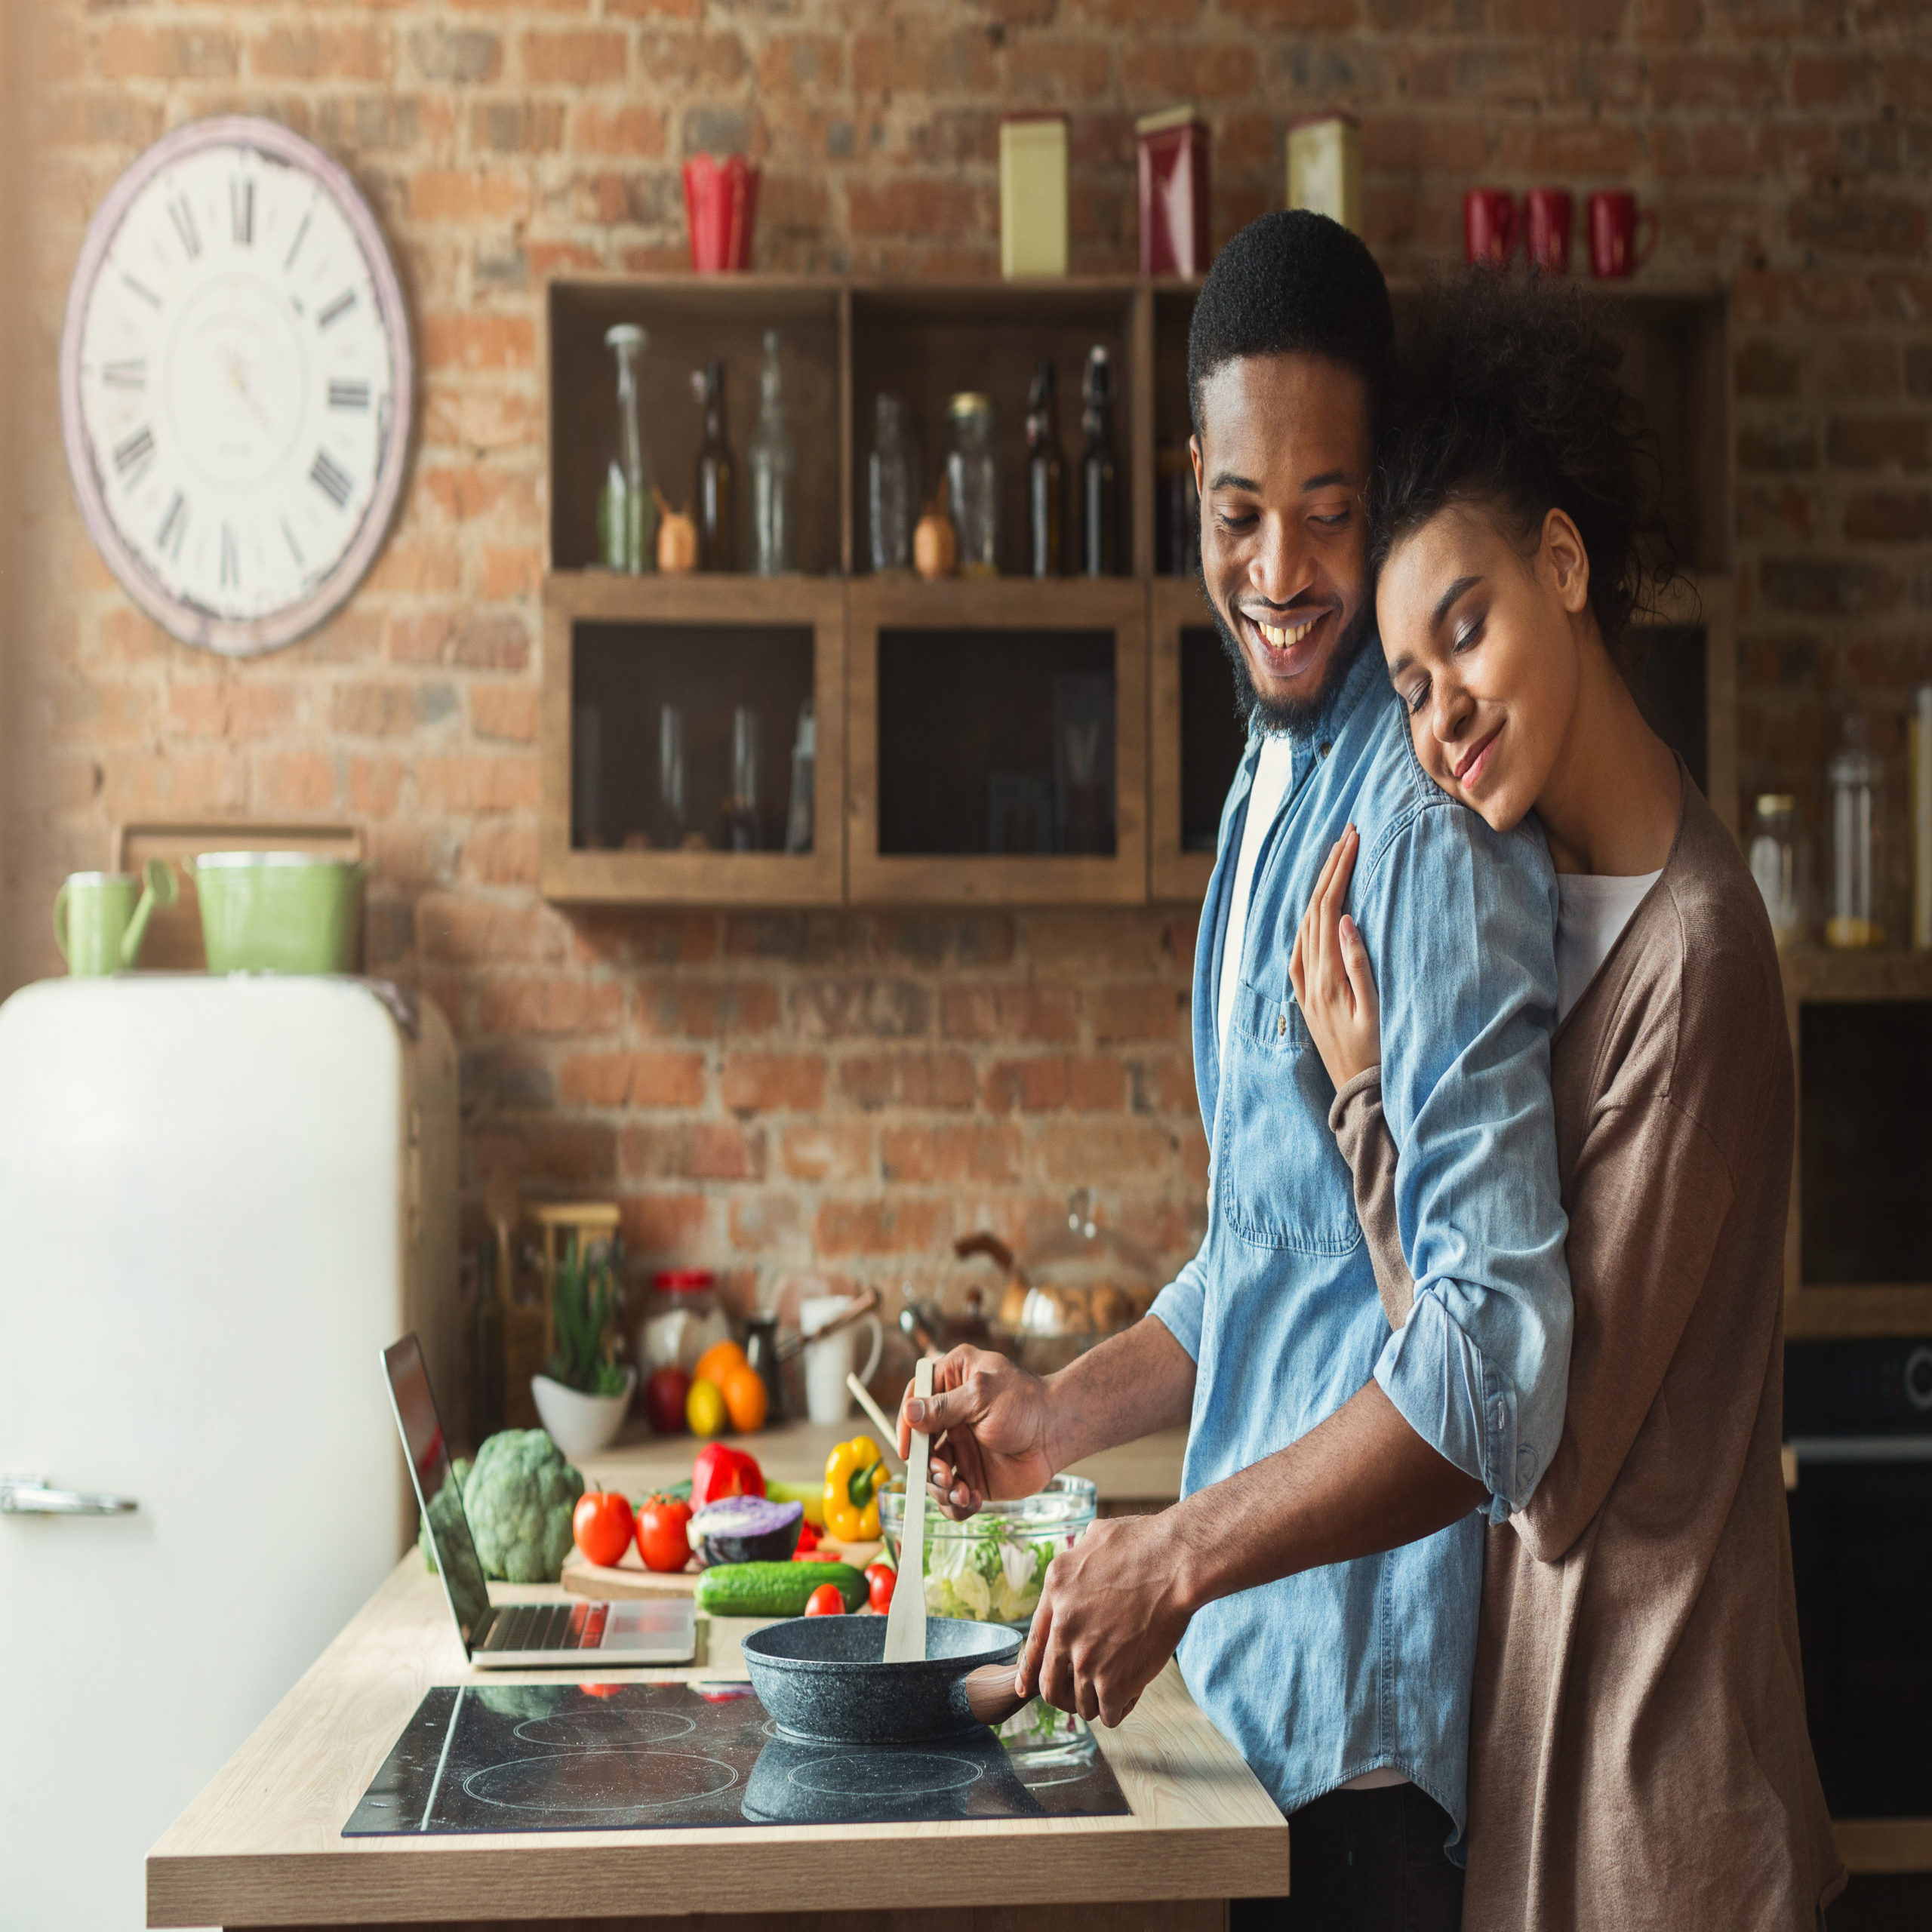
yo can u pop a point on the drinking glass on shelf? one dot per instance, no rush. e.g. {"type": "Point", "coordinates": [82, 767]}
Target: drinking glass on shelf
{"type": "Point", "coordinates": [1777, 863]}
{"type": "Point", "coordinates": [741, 825]}
{"type": "Point", "coordinates": [627, 506]}
{"type": "Point", "coordinates": [804, 760]}
{"type": "Point", "coordinates": [1854, 775]}
{"type": "Point", "coordinates": [771, 460]}
{"type": "Point", "coordinates": [972, 480]}
{"type": "Point", "coordinates": [673, 819]}
{"type": "Point", "coordinates": [889, 487]}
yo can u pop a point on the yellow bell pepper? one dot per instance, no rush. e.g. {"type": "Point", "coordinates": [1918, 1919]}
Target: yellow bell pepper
{"type": "Point", "coordinates": [854, 1473]}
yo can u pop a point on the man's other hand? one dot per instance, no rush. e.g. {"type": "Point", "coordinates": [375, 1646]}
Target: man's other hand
{"type": "Point", "coordinates": [1108, 1619]}
{"type": "Point", "coordinates": [992, 1417]}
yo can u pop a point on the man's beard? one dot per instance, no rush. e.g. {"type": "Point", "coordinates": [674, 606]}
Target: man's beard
{"type": "Point", "coordinates": [1291, 714]}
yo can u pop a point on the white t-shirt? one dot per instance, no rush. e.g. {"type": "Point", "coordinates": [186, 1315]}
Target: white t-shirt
{"type": "Point", "coordinates": [1274, 771]}
{"type": "Point", "coordinates": [1591, 911]}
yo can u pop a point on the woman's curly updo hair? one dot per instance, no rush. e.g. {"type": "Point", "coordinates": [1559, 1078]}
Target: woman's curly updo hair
{"type": "Point", "coordinates": [1507, 398]}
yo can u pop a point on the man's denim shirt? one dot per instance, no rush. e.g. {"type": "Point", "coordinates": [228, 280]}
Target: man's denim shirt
{"type": "Point", "coordinates": [1321, 1677]}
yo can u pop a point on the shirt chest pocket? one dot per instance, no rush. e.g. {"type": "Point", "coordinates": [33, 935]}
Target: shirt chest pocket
{"type": "Point", "coordinates": [1283, 1182]}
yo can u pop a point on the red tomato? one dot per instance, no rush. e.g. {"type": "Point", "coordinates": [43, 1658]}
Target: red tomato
{"type": "Point", "coordinates": [880, 1578]}
{"type": "Point", "coordinates": [662, 1540]}
{"type": "Point", "coordinates": [601, 1524]}
{"type": "Point", "coordinates": [825, 1602]}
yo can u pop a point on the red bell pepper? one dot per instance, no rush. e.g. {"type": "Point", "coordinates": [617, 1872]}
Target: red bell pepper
{"type": "Point", "coordinates": [722, 1471]}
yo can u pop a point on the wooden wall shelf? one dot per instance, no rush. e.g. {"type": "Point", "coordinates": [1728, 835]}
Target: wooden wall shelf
{"type": "Point", "coordinates": [845, 340]}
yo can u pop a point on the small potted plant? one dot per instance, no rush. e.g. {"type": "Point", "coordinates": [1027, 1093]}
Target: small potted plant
{"type": "Point", "coordinates": [583, 1396]}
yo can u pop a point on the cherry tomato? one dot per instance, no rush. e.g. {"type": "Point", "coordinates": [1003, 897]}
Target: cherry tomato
{"type": "Point", "coordinates": [880, 1578]}
{"type": "Point", "coordinates": [663, 1537]}
{"type": "Point", "coordinates": [825, 1602]}
{"type": "Point", "coordinates": [601, 1524]}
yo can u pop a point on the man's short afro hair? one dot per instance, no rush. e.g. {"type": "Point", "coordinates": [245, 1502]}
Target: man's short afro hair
{"type": "Point", "coordinates": [1293, 282]}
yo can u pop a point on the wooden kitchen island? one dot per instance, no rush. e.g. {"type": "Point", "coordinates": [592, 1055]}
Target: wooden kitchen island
{"type": "Point", "coordinates": [262, 1845]}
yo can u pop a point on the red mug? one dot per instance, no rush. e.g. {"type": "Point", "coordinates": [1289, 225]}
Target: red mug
{"type": "Point", "coordinates": [1546, 213]}
{"type": "Point", "coordinates": [720, 203]}
{"type": "Point", "coordinates": [1489, 227]}
{"type": "Point", "coordinates": [1621, 238]}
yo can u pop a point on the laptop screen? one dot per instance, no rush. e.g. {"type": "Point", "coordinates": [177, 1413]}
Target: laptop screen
{"type": "Point", "coordinates": [436, 1488]}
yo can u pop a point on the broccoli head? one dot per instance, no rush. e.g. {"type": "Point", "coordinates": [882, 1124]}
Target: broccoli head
{"type": "Point", "coordinates": [519, 1498]}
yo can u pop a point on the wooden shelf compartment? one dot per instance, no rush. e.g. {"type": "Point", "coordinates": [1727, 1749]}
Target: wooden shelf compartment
{"type": "Point", "coordinates": [691, 321]}
{"type": "Point", "coordinates": [972, 706]}
{"type": "Point", "coordinates": [1858, 1248]}
{"type": "Point", "coordinates": [620, 648]}
{"type": "Point", "coordinates": [1194, 740]}
{"type": "Point", "coordinates": [926, 342]}
{"type": "Point", "coordinates": [1680, 659]}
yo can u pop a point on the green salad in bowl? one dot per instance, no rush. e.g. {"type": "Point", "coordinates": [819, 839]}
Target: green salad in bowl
{"type": "Point", "coordinates": [992, 1568]}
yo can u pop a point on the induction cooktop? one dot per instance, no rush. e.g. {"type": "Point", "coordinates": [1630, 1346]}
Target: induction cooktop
{"type": "Point", "coordinates": [628, 1756]}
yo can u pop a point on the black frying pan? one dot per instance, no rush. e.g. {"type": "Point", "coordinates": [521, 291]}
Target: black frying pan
{"type": "Point", "coordinates": [822, 1678]}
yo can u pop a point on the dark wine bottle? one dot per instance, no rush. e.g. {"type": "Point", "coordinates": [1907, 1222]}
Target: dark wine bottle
{"type": "Point", "coordinates": [716, 492]}
{"type": "Point", "coordinates": [1046, 477]}
{"type": "Point", "coordinates": [1100, 474]}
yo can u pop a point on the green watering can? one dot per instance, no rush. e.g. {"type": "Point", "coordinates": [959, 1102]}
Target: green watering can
{"type": "Point", "coordinates": [100, 918]}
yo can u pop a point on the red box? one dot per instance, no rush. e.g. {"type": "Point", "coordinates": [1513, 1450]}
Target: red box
{"type": "Point", "coordinates": [1174, 236]}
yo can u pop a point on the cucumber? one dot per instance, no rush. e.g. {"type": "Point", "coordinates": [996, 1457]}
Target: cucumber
{"type": "Point", "coordinates": [774, 1589]}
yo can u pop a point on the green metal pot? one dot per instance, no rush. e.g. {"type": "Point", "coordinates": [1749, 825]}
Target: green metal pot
{"type": "Point", "coordinates": [279, 912]}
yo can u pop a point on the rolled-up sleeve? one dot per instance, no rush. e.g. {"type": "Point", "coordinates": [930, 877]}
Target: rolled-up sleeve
{"type": "Point", "coordinates": [1179, 1307]}
{"type": "Point", "coordinates": [1460, 921]}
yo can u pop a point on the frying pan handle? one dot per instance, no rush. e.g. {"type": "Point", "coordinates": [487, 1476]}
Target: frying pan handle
{"type": "Point", "coordinates": [991, 1694]}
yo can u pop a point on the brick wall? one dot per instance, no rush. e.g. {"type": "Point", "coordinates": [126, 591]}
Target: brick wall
{"type": "Point", "coordinates": [848, 1092]}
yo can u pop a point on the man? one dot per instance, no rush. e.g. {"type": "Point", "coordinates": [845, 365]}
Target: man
{"type": "Point", "coordinates": [1321, 1575]}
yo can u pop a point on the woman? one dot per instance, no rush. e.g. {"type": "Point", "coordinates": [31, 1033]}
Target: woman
{"type": "Point", "coordinates": [1638, 1753]}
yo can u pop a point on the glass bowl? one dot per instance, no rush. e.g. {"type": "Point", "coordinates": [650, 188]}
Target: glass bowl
{"type": "Point", "coordinates": [990, 1568]}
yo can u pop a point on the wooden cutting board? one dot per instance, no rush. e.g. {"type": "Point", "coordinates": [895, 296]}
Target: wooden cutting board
{"type": "Point", "coordinates": [630, 1579]}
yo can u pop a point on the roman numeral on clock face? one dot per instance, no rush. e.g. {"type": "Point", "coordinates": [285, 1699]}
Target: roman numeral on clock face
{"type": "Point", "coordinates": [132, 457]}
{"type": "Point", "coordinates": [348, 395]}
{"type": "Point", "coordinates": [174, 526]}
{"type": "Point", "coordinates": [241, 212]}
{"type": "Point", "coordinates": [132, 374]}
{"type": "Point", "coordinates": [336, 310]}
{"type": "Point", "coordinates": [328, 479]}
{"type": "Point", "coordinates": [183, 216]}
{"type": "Point", "coordinates": [231, 559]}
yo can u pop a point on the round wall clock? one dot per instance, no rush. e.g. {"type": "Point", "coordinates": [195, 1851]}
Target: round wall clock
{"type": "Point", "coordinates": [236, 384]}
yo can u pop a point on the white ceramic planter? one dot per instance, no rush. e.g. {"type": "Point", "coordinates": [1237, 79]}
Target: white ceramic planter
{"type": "Point", "coordinates": [581, 1425]}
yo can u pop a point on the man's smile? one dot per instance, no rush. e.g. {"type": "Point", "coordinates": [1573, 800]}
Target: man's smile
{"type": "Point", "coordinates": [1286, 646]}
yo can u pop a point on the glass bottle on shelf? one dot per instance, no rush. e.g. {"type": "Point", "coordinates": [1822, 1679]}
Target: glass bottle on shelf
{"type": "Point", "coordinates": [716, 507]}
{"type": "Point", "coordinates": [741, 825]}
{"type": "Point", "coordinates": [771, 461]}
{"type": "Point", "coordinates": [972, 485]}
{"type": "Point", "coordinates": [804, 760]}
{"type": "Point", "coordinates": [627, 504]}
{"type": "Point", "coordinates": [1100, 475]}
{"type": "Point", "coordinates": [889, 495]}
{"type": "Point", "coordinates": [673, 822]}
{"type": "Point", "coordinates": [1853, 776]}
{"type": "Point", "coordinates": [1046, 477]}
{"type": "Point", "coordinates": [1777, 864]}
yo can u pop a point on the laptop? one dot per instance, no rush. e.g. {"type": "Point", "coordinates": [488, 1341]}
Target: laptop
{"type": "Point", "coordinates": [515, 1636]}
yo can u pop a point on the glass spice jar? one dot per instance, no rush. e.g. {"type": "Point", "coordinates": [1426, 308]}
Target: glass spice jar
{"type": "Point", "coordinates": [1778, 863]}
{"type": "Point", "coordinates": [972, 477]}
{"type": "Point", "coordinates": [1853, 776]}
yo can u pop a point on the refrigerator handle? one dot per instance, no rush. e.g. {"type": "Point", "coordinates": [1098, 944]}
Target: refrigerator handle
{"type": "Point", "coordinates": [31, 1496]}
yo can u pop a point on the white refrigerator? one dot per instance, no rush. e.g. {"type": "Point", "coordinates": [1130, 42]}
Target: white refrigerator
{"type": "Point", "coordinates": [220, 1198]}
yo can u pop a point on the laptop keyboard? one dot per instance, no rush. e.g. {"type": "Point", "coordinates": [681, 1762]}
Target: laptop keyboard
{"type": "Point", "coordinates": [547, 1626]}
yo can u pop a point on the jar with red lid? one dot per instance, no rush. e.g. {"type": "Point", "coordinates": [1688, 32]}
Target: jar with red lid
{"type": "Point", "coordinates": [681, 1319]}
